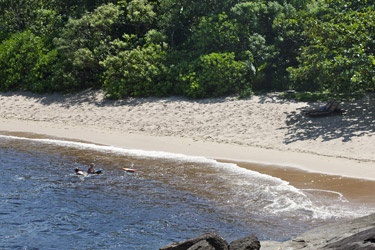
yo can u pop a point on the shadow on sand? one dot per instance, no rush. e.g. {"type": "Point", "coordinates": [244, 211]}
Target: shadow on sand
{"type": "Point", "coordinates": [97, 97]}
{"type": "Point", "coordinates": [358, 120]}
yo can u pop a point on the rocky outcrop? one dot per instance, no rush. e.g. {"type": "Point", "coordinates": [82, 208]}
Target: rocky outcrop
{"type": "Point", "coordinates": [209, 241]}
{"type": "Point", "coordinates": [357, 234]}
{"type": "Point", "coordinates": [202, 245]}
{"type": "Point", "coordinates": [248, 243]}
{"type": "Point", "coordinates": [213, 241]}
{"type": "Point", "coordinates": [362, 240]}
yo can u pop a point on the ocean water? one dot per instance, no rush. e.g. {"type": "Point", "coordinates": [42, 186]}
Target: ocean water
{"type": "Point", "coordinates": [44, 205]}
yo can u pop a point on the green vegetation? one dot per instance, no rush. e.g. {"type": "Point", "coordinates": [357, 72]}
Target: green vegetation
{"type": "Point", "coordinates": [192, 48]}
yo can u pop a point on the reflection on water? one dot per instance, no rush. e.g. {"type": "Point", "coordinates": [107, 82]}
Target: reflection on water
{"type": "Point", "coordinates": [173, 197]}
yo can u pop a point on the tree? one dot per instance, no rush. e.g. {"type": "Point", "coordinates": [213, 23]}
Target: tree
{"type": "Point", "coordinates": [215, 74]}
{"type": "Point", "coordinates": [216, 33]}
{"type": "Point", "coordinates": [136, 70]}
{"type": "Point", "coordinates": [260, 36]}
{"type": "Point", "coordinates": [83, 43]}
{"type": "Point", "coordinates": [25, 64]}
{"type": "Point", "coordinates": [339, 55]}
{"type": "Point", "coordinates": [17, 15]}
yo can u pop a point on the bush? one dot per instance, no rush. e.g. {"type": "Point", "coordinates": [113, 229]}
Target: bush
{"type": "Point", "coordinates": [339, 54]}
{"type": "Point", "coordinates": [215, 74]}
{"type": "Point", "coordinates": [216, 33]}
{"type": "Point", "coordinates": [135, 72]}
{"type": "Point", "coordinates": [83, 43]}
{"type": "Point", "coordinates": [25, 64]}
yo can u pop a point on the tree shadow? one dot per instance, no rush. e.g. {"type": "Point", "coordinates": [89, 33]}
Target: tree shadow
{"type": "Point", "coordinates": [274, 98]}
{"type": "Point", "coordinates": [358, 120]}
{"type": "Point", "coordinates": [97, 98]}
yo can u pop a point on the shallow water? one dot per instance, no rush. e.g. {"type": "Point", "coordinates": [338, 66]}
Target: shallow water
{"type": "Point", "coordinates": [44, 205]}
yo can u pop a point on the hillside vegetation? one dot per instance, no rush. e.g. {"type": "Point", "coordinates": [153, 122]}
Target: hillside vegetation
{"type": "Point", "coordinates": [193, 48]}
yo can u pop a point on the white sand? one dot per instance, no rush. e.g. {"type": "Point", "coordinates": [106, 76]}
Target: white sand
{"type": "Point", "coordinates": [263, 129]}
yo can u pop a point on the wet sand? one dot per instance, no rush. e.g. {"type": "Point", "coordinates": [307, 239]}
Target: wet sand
{"type": "Point", "coordinates": [358, 191]}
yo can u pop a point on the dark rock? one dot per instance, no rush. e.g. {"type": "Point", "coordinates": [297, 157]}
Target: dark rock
{"type": "Point", "coordinates": [248, 243]}
{"type": "Point", "coordinates": [215, 240]}
{"type": "Point", "coordinates": [202, 245]}
{"type": "Point", "coordinates": [364, 240]}
{"type": "Point", "coordinates": [336, 236]}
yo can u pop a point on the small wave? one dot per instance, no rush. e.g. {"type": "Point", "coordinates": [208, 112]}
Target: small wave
{"type": "Point", "coordinates": [339, 195]}
{"type": "Point", "coordinates": [20, 178]}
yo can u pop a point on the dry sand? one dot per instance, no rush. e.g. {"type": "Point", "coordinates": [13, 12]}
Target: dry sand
{"type": "Point", "coordinates": [262, 129]}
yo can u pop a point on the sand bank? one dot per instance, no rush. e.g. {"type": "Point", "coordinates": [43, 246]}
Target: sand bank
{"type": "Point", "coordinates": [262, 129]}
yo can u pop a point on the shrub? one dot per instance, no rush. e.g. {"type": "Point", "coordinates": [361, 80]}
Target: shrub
{"type": "Point", "coordinates": [339, 56]}
{"type": "Point", "coordinates": [25, 64]}
{"type": "Point", "coordinates": [135, 72]}
{"type": "Point", "coordinates": [215, 74]}
{"type": "Point", "coordinates": [83, 43]}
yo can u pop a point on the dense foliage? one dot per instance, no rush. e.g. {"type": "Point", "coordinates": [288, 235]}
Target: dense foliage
{"type": "Point", "coordinates": [195, 48]}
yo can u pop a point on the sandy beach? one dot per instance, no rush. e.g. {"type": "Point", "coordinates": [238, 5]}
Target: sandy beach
{"type": "Point", "coordinates": [264, 129]}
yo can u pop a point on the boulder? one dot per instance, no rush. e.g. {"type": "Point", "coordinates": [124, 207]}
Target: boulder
{"type": "Point", "coordinates": [250, 242]}
{"type": "Point", "coordinates": [214, 240]}
{"type": "Point", "coordinates": [202, 245]}
{"type": "Point", "coordinates": [364, 240]}
{"type": "Point", "coordinates": [356, 234]}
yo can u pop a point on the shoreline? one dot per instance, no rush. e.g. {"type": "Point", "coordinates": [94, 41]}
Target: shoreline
{"type": "Point", "coordinates": [355, 189]}
{"type": "Point", "coordinates": [215, 128]}
{"type": "Point", "coordinates": [311, 163]}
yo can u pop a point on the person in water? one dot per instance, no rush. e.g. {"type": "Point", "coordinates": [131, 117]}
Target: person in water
{"type": "Point", "coordinates": [80, 172]}
{"type": "Point", "coordinates": [91, 169]}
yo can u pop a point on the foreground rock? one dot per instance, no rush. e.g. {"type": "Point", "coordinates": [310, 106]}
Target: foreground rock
{"type": "Point", "coordinates": [213, 241]}
{"type": "Point", "coordinates": [357, 234]}
{"type": "Point", "coordinates": [248, 243]}
{"type": "Point", "coordinates": [209, 241]}
{"type": "Point", "coordinates": [362, 240]}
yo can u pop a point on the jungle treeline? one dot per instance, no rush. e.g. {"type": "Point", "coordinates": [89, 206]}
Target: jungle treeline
{"type": "Point", "coordinates": [193, 48]}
